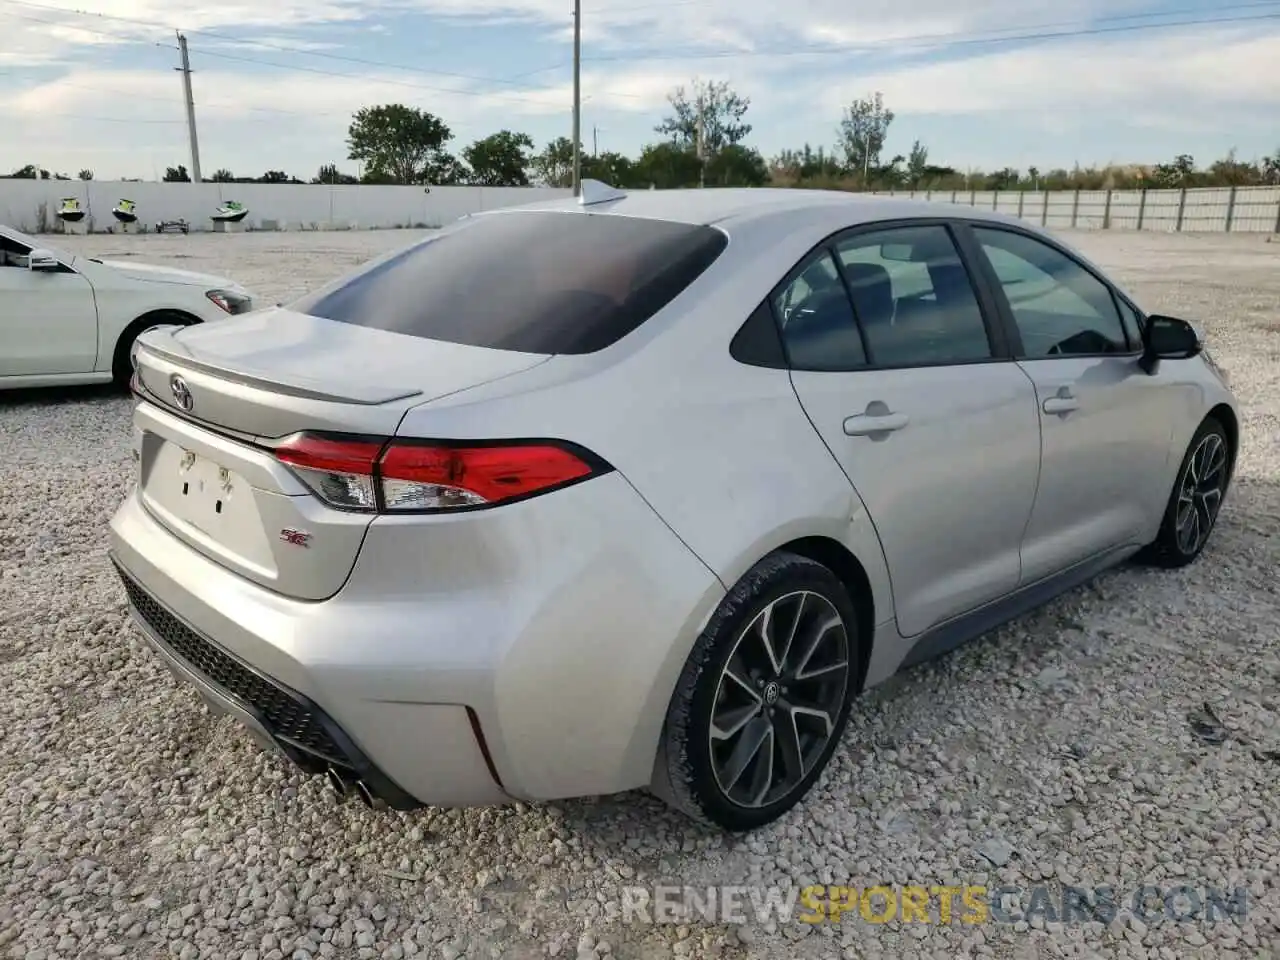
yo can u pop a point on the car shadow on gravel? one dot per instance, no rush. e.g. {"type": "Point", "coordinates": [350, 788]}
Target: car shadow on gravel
{"type": "Point", "coordinates": [56, 396]}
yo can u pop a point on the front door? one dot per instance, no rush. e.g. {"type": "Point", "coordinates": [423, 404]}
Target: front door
{"type": "Point", "coordinates": [1105, 424]}
{"type": "Point", "coordinates": [48, 321]}
{"type": "Point", "coordinates": [939, 437]}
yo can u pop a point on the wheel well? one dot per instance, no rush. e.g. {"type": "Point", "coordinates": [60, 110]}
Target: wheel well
{"type": "Point", "coordinates": [836, 557]}
{"type": "Point", "coordinates": [1227, 417]}
{"type": "Point", "coordinates": [150, 319]}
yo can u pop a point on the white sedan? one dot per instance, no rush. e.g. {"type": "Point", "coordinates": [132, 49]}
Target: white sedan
{"type": "Point", "coordinates": [70, 320]}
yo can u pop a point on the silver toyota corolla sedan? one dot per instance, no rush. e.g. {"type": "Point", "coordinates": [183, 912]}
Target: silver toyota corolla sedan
{"type": "Point", "coordinates": [639, 491]}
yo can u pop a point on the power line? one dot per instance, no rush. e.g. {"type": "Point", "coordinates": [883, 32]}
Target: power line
{"type": "Point", "coordinates": [384, 80]}
{"type": "Point", "coordinates": [934, 40]}
{"type": "Point", "coordinates": [281, 47]}
{"type": "Point", "coordinates": [206, 105]}
{"type": "Point", "coordinates": [306, 69]}
{"type": "Point", "coordinates": [937, 39]}
{"type": "Point", "coordinates": [76, 116]}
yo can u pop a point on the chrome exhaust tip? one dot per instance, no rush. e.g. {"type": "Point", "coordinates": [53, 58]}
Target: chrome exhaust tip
{"type": "Point", "coordinates": [341, 786]}
{"type": "Point", "coordinates": [367, 796]}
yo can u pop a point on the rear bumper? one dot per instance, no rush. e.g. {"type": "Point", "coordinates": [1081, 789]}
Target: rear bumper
{"type": "Point", "coordinates": [528, 652]}
{"type": "Point", "coordinates": [280, 719]}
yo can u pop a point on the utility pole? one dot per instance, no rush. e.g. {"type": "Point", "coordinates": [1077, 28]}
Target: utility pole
{"type": "Point", "coordinates": [577, 97]}
{"type": "Point", "coordinates": [185, 70]}
{"type": "Point", "coordinates": [595, 140]}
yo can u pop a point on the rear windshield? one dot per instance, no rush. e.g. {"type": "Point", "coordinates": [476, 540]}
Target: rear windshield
{"type": "Point", "coordinates": [537, 282]}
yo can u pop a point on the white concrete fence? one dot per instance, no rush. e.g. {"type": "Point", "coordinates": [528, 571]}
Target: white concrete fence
{"type": "Point", "coordinates": [31, 205]}
{"type": "Point", "coordinates": [1198, 210]}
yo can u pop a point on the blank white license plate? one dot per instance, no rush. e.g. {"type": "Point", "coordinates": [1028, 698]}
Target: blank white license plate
{"type": "Point", "coordinates": [215, 500]}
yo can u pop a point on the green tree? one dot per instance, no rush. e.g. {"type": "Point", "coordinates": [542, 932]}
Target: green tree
{"type": "Point", "coordinates": [805, 164]}
{"type": "Point", "coordinates": [554, 165]}
{"type": "Point", "coordinates": [445, 169]}
{"type": "Point", "coordinates": [85, 174]}
{"type": "Point", "coordinates": [667, 166]}
{"type": "Point", "coordinates": [614, 169]}
{"type": "Point", "coordinates": [1180, 173]}
{"type": "Point", "coordinates": [1006, 179]}
{"type": "Point", "coordinates": [396, 143]}
{"type": "Point", "coordinates": [720, 109]}
{"type": "Point", "coordinates": [1233, 173]}
{"type": "Point", "coordinates": [863, 131]}
{"type": "Point", "coordinates": [917, 163]}
{"type": "Point", "coordinates": [737, 166]}
{"type": "Point", "coordinates": [29, 172]}
{"type": "Point", "coordinates": [223, 175]}
{"type": "Point", "coordinates": [1271, 169]}
{"type": "Point", "coordinates": [500, 160]}
{"type": "Point", "coordinates": [329, 174]}
{"type": "Point", "coordinates": [177, 174]}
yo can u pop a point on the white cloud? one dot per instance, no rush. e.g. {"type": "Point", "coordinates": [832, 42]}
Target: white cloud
{"type": "Point", "coordinates": [1152, 74]}
{"type": "Point", "coordinates": [1170, 80]}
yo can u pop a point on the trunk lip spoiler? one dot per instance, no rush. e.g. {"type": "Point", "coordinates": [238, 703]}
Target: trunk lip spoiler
{"type": "Point", "coordinates": [369, 396]}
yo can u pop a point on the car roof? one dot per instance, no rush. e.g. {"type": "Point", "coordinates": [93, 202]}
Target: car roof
{"type": "Point", "coordinates": [740, 205]}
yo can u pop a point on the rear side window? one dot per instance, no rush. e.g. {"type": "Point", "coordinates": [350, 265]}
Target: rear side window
{"type": "Point", "coordinates": [535, 282]}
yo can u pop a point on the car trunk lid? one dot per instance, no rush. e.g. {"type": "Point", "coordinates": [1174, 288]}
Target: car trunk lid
{"type": "Point", "coordinates": [218, 398]}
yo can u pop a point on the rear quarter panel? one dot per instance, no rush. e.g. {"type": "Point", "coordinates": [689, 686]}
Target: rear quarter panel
{"type": "Point", "coordinates": [722, 451]}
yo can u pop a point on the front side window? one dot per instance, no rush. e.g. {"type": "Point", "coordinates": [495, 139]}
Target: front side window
{"type": "Point", "coordinates": [913, 297]}
{"type": "Point", "coordinates": [1059, 307]}
{"type": "Point", "coordinates": [532, 281]}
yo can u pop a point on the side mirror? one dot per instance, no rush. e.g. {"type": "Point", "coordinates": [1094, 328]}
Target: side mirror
{"type": "Point", "coordinates": [42, 261]}
{"type": "Point", "coordinates": [1168, 338]}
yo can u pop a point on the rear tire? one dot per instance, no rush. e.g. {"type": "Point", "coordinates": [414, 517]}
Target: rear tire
{"type": "Point", "coordinates": [121, 368]}
{"type": "Point", "coordinates": [1196, 499]}
{"type": "Point", "coordinates": [764, 696]}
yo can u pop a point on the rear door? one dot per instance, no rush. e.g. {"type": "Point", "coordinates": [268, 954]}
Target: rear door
{"type": "Point", "coordinates": [909, 385]}
{"type": "Point", "coordinates": [48, 321]}
{"type": "Point", "coordinates": [1105, 423]}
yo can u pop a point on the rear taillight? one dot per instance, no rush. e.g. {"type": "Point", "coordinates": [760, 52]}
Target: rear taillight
{"type": "Point", "coordinates": [339, 472]}
{"type": "Point", "coordinates": [411, 476]}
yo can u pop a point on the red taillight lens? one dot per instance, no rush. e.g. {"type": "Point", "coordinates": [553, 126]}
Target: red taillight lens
{"type": "Point", "coordinates": [339, 472]}
{"type": "Point", "coordinates": [426, 477]}
{"type": "Point", "coordinates": [396, 477]}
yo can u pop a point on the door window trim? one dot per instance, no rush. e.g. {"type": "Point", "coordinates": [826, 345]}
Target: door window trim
{"type": "Point", "coordinates": [988, 307]}
{"type": "Point", "coordinates": [966, 229]}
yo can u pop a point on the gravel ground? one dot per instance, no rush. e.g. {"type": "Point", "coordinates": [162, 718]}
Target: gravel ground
{"type": "Point", "coordinates": [1059, 750]}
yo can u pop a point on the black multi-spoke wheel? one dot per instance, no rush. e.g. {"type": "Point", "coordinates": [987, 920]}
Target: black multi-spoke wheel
{"type": "Point", "coordinates": [1196, 499]}
{"type": "Point", "coordinates": [764, 696]}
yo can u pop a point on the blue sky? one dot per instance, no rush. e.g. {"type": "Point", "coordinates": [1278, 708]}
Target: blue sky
{"type": "Point", "coordinates": [983, 84]}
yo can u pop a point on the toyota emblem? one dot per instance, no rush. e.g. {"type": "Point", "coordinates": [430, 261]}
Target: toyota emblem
{"type": "Point", "coordinates": [181, 392]}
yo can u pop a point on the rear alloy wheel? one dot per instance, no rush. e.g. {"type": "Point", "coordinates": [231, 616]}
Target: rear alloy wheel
{"type": "Point", "coordinates": [1196, 499]}
{"type": "Point", "coordinates": [764, 697]}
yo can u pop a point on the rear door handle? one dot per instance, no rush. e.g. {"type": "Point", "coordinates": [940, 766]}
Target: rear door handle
{"type": "Point", "coordinates": [866, 424]}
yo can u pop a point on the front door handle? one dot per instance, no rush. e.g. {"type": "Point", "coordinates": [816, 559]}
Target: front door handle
{"type": "Point", "coordinates": [1063, 402]}
{"type": "Point", "coordinates": [878, 419]}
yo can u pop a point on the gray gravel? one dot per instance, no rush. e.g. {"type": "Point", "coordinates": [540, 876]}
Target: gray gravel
{"type": "Point", "coordinates": [1063, 749]}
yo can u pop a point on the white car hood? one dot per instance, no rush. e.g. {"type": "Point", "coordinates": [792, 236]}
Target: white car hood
{"type": "Point", "coordinates": [146, 271]}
